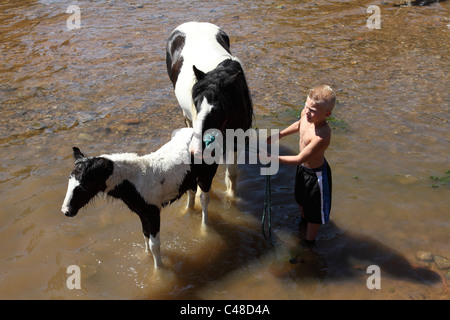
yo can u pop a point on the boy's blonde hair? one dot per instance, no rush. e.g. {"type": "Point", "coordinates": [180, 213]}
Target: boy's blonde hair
{"type": "Point", "coordinates": [323, 95]}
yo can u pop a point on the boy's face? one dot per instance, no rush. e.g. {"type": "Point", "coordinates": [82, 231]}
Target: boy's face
{"type": "Point", "coordinates": [315, 113]}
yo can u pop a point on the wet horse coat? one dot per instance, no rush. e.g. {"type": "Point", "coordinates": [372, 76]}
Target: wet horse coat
{"type": "Point", "coordinates": [209, 84]}
{"type": "Point", "coordinates": [144, 183]}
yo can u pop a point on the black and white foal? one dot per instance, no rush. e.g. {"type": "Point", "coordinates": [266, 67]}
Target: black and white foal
{"type": "Point", "coordinates": [209, 84]}
{"type": "Point", "coordinates": [144, 183]}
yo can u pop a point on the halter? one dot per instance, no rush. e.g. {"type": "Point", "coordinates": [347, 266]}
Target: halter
{"type": "Point", "coordinates": [211, 137]}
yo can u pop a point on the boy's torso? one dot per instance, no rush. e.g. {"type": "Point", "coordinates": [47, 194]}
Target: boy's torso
{"type": "Point", "coordinates": [307, 132]}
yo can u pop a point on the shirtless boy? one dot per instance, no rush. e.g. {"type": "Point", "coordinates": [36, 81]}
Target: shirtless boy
{"type": "Point", "coordinates": [313, 177]}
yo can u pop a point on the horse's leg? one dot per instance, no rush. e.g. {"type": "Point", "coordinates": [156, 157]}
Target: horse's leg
{"type": "Point", "coordinates": [204, 182]}
{"type": "Point", "coordinates": [155, 247]}
{"type": "Point", "coordinates": [187, 121]}
{"type": "Point", "coordinates": [204, 200]}
{"type": "Point", "coordinates": [230, 177]}
{"type": "Point", "coordinates": [191, 199]}
{"type": "Point", "coordinates": [150, 226]}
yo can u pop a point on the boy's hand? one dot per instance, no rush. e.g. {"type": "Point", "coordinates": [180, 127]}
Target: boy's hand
{"type": "Point", "coordinates": [264, 156]}
{"type": "Point", "coordinates": [273, 138]}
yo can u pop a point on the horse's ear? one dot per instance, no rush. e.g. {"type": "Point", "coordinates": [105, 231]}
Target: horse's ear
{"type": "Point", "coordinates": [200, 75]}
{"type": "Point", "coordinates": [77, 154]}
{"type": "Point", "coordinates": [233, 78]}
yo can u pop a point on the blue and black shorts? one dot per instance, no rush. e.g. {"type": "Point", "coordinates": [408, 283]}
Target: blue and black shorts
{"type": "Point", "coordinates": [313, 192]}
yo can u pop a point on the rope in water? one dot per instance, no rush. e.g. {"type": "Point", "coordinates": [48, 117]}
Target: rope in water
{"type": "Point", "coordinates": [267, 212]}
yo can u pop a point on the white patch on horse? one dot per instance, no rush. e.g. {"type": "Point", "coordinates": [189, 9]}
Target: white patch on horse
{"type": "Point", "coordinates": [198, 35]}
{"type": "Point", "coordinates": [196, 144]}
{"type": "Point", "coordinates": [73, 183]}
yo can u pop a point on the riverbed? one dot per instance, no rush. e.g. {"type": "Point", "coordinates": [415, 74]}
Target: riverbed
{"type": "Point", "coordinates": [104, 88]}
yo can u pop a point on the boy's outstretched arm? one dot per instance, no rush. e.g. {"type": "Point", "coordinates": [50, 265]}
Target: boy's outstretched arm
{"type": "Point", "coordinates": [293, 128]}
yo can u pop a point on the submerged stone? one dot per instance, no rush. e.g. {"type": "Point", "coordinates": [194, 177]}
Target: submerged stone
{"type": "Point", "coordinates": [442, 262]}
{"type": "Point", "coordinates": [86, 136]}
{"type": "Point", "coordinates": [425, 256]}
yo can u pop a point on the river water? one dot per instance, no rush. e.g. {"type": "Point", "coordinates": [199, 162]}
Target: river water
{"type": "Point", "coordinates": [104, 88]}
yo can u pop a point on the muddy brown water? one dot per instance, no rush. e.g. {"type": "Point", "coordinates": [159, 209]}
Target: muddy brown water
{"type": "Point", "coordinates": [104, 88]}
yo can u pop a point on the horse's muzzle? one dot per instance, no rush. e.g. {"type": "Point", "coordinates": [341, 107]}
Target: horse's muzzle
{"type": "Point", "coordinates": [68, 212]}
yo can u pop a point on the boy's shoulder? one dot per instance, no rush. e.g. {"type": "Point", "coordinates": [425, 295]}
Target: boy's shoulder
{"type": "Point", "coordinates": [324, 131]}
{"type": "Point", "coordinates": [327, 127]}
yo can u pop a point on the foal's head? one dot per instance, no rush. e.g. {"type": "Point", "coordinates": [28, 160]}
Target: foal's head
{"type": "Point", "coordinates": [87, 179]}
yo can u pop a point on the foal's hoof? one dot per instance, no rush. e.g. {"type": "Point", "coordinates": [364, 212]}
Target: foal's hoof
{"type": "Point", "coordinates": [230, 194]}
{"type": "Point", "coordinates": [159, 268]}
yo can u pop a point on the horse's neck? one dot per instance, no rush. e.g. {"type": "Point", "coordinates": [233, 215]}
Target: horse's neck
{"type": "Point", "coordinates": [129, 166]}
{"type": "Point", "coordinates": [145, 170]}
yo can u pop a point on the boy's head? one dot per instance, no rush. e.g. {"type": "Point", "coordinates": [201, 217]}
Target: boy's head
{"type": "Point", "coordinates": [319, 104]}
{"type": "Point", "coordinates": [323, 96]}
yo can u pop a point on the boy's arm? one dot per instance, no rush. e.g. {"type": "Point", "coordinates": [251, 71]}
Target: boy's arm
{"type": "Point", "coordinates": [316, 145]}
{"type": "Point", "coordinates": [293, 128]}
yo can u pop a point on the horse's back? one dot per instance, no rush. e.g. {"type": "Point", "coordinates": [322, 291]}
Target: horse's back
{"type": "Point", "coordinates": [204, 36]}
{"type": "Point", "coordinates": [200, 44]}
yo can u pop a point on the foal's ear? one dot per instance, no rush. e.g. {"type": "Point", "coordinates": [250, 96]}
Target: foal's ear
{"type": "Point", "coordinates": [200, 75]}
{"type": "Point", "coordinates": [77, 154]}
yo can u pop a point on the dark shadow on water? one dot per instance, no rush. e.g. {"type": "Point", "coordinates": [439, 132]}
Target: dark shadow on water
{"type": "Point", "coordinates": [349, 254]}
{"type": "Point", "coordinates": [345, 257]}
{"type": "Point", "coordinates": [242, 245]}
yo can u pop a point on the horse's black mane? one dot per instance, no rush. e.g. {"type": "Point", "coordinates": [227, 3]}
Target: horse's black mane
{"type": "Point", "coordinates": [226, 88]}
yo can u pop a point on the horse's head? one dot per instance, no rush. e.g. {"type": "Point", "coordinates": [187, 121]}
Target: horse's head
{"type": "Point", "coordinates": [87, 179]}
{"type": "Point", "coordinates": [222, 101]}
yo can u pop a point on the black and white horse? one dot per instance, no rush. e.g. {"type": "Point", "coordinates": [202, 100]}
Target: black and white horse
{"type": "Point", "coordinates": [209, 84]}
{"type": "Point", "coordinates": [144, 183]}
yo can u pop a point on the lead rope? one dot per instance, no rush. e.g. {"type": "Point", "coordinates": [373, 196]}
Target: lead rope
{"type": "Point", "coordinates": [267, 212]}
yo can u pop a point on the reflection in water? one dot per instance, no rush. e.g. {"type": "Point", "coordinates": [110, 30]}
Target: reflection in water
{"type": "Point", "coordinates": [105, 89]}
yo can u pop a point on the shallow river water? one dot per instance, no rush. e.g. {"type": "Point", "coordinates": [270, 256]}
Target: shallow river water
{"type": "Point", "coordinates": [104, 88]}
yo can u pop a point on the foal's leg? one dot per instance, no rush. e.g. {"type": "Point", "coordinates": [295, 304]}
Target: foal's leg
{"type": "Point", "coordinates": [150, 226]}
